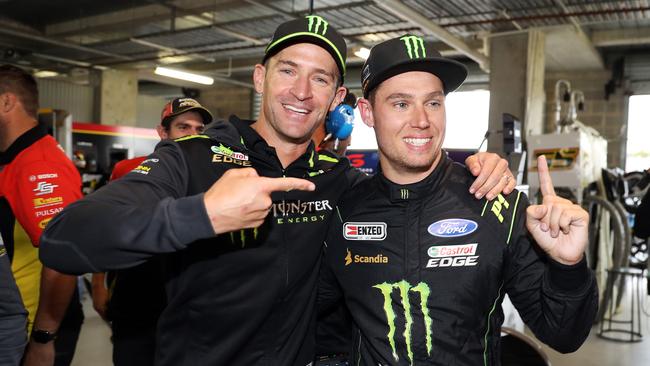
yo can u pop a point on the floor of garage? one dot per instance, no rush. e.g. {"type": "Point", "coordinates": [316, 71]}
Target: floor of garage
{"type": "Point", "coordinates": [94, 347]}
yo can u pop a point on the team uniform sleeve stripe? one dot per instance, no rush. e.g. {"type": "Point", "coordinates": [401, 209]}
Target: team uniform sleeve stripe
{"type": "Point", "coordinates": [327, 158]}
{"type": "Point", "coordinates": [484, 207]}
{"type": "Point", "coordinates": [192, 137]}
{"type": "Point", "coordinates": [514, 214]}
{"type": "Point", "coordinates": [487, 331]}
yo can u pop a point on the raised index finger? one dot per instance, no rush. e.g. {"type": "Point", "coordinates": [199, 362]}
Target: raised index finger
{"type": "Point", "coordinates": [286, 184]}
{"type": "Point", "coordinates": [545, 182]}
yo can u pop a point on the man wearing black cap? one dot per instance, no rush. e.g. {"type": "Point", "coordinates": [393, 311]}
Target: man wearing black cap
{"type": "Point", "coordinates": [238, 213]}
{"type": "Point", "coordinates": [423, 267]}
{"type": "Point", "coordinates": [137, 295]}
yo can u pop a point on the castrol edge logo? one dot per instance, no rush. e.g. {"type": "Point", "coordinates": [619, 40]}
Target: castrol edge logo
{"type": "Point", "coordinates": [452, 250]}
{"type": "Point", "coordinates": [364, 230]}
{"type": "Point", "coordinates": [450, 228]}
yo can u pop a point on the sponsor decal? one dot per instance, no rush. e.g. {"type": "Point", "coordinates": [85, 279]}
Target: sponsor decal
{"type": "Point", "coordinates": [243, 236]}
{"type": "Point", "coordinates": [365, 73]}
{"type": "Point", "coordinates": [152, 160]}
{"type": "Point", "coordinates": [365, 259]}
{"type": "Point", "coordinates": [497, 205]}
{"type": "Point", "coordinates": [43, 188]}
{"type": "Point", "coordinates": [463, 255]}
{"type": "Point", "coordinates": [404, 289]}
{"type": "Point", "coordinates": [44, 176]}
{"type": "Point", "coordinates": [49, 212]}
{"type": "Point", "coordinates": [50, 201]}
{"type": "Point", "coordinates": [218, 158]}
{"type": "Point", "coordinates": [450, 228]}
{"type": "Point", "coordinates": [452, 250]}
{"type": "Point", "coordinates": [296, 212]}
{"type": "Point", "coordinates": [414, 46]}
{"type": "Point", "coordinates": [364, 230]}
{"type": "Point", "coordinates": [188, 102]}
{"type": "Point", "coordinates": [43, 223]}
{"type": "Point", "coordinates": [141, 169]}
{"type": "Point", "coordinates": [315, 23]}
{"type": "Point", "coordinates": [225, 151]}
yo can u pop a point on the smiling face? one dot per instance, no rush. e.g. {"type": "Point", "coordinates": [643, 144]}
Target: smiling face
{"type": "Point", "coordinates": [299, 87]}
{"type": "Point", "coordinates": [408, 115]}
{"type": "Point", "coordinates": [188, 123]}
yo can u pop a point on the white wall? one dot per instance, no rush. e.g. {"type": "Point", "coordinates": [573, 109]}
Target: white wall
{"type": "Point", "coordinates": [75, 99]}
{"type": "Point", "coordinates": [148, 110]}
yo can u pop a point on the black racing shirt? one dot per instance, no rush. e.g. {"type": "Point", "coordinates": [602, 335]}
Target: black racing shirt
{"type": "Point", "coordinates": [241, 298]}
{"type": "Point", "coordinates": [424, 267]}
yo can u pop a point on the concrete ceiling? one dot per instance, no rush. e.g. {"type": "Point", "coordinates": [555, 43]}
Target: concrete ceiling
{"type": "Point", "coordinates": [224, 38]}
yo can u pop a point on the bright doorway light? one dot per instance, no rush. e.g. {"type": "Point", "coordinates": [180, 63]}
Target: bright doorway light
{"type": "Point", "coordinates": [638, 132]}
{"type": "Point", "coordinates": [363, 53]}
{"type": "Point", "coordinates": [467, 121]}
{"type": "Point", "coordinates": [468, 114]}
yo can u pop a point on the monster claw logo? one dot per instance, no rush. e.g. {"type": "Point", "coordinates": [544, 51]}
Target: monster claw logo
{"type": "Point", "coordinates": [414, 46]}
{"type": "Point", "coordinates": [405, 289]}
{"type": "Point", "coordinates": [243, 236]}
{"type": "Point", "coordinates": [319, 21]}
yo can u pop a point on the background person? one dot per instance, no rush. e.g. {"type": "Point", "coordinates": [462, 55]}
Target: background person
{"type": "Point", "coordinates": [137, 295]}
{"type": "Point", "coordinates": [37, 180]}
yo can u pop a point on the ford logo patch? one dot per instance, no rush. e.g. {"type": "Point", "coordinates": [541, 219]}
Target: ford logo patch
{"type": "Point", "coordinates": [450, 228]}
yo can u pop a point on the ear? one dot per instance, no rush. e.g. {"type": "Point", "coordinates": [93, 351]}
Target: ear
{"type": "Point", "coordinates": [7, 102]}
{"type": "Point", "coordinates": [259, 74]}
{"type": "Point", "coordinates": [338, 97]}
{"type": "Point", "coordinates": [365, 108]}
{"type": "Point", "coordinates": [162, 132]}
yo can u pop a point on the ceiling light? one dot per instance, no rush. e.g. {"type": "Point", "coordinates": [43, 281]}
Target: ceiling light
{"type": "Point", "coordinates": [45, 74]}
{"type": "Point", "coordinates": [183, 75]}
{"type": "Point", "coordinates": [362, 53]}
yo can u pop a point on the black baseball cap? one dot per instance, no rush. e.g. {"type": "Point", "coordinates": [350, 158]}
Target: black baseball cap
{"type": "Point", "coordinates": [180, 106]}
{"type": "Point", "coordinates": [310, 29]}
{"type": "Point", "coordinates": [409, 53]}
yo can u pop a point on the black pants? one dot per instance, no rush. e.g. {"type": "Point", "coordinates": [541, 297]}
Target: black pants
{"type": "Point", "coordinates": [134, 344]}
{"type": "Point", "coordinates": [68, 334]}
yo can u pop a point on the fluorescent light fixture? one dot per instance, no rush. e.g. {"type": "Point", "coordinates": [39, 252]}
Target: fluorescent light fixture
{"type": "Point", "coordinates": [362, 53]}
{"type": "Point", "coordinates": [45, 74]}
{"type": "Point", "coordinates": [183, 75]}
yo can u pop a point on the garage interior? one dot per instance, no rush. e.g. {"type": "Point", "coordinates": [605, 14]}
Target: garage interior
{"type": "Point", "coordinates": [95, 62]}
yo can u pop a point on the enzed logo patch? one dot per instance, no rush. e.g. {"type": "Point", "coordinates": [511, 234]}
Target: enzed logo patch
{"type": "Point", "coordinates": [463, 255]}
{"type": "Point", "coordinates": [364, 230]}
{"type": "Point", "coordinates": [450, 228]}
{"type": "Point", "coordinates": [404, 290]}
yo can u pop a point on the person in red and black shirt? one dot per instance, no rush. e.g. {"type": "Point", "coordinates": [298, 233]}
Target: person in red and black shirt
{"type": "Point", "coordinates": [133, 299]}
{"type": "Point", "coordinates": [37, 181]}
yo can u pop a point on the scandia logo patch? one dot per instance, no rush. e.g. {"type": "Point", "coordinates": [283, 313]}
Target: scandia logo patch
{"type": "Point", "coordinates": [364, 230]}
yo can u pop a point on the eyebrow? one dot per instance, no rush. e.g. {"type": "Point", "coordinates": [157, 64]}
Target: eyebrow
{"type": "Point", "coordinates": [434, 94]}
{"type": "Point", "coordinates": [317, 70]}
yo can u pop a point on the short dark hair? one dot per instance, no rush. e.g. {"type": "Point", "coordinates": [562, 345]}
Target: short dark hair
{"type": "Point", "coordinates": [372, 95]}
{"type": "Point", "coordinates": [22, 84]}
